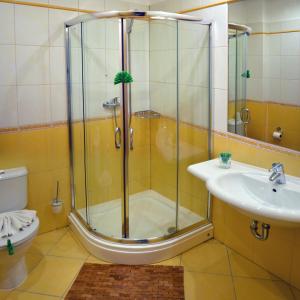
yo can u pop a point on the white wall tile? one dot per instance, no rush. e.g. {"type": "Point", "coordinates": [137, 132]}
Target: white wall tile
{"type": "Point", "coordinates": [163, 66]}
{"type": "Point", "coordinates": [140, 96]}
{"type": "Point", "coordinates": [34, 104]}
{"type": "Point", "coordinates": [94, 34]}
{"type": "Point", "coordinates": [194, 66]}
{"type": "Point", "coordinates": [95, 95]}
{"type": "Point", "coordinates": [7, 24]}
{"type": "Point", "coordinates": [271, 90]}
{"type": "Point", "coordinates": [139, 37]}
{"type": "Point", "coordinates": [113, 65]}
{"type": "Point", "coordinates": [290, 67]}
{"type": "Point", "coordinates": [290, 91]}
{"type": "Point", "coordinates": [58, 103]}
{"type": "Point", "coordinates": [8, 65]}
{"type": "Point", "coordinates": [112, 40]}
{"type": "Point", "coordinates": [219, 109]}
{"type": "Point", "coordinates": [255, 65]}
{"type": "Point", "coordinates": [140, 66]}
{"type": "Point", "coordinates": [272, 66]}
{"type": "Point", "coordinates": [57, 18]}
{"type": "Point", "coordinates": [290, 44]}
{"type": "Point", "coordinates": [8, 106]}
{"type": "Point", "coordinates": [31, 25]}
{"type": "Point", "coordinates": [57, 65]}
{"type": "Point", "coordinates": [220, 68]}
{"type": "Point", "coordinates": [32, 64]}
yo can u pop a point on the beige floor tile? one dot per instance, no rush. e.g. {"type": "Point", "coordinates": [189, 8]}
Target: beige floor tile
{"type": "Point", "coordinates": [241, 266]}
{"type": "Point", "coordinates": [68, 246]}
{"type": "Point", "coordinates": [52, 276]}
{"type": "Point", "coordinates": [44, 242]}
{"type": "Point", "coordinates": [295, 292]}
{"type": "Point", "coordinates": [261, 289]}
{"type": "Point", "coordinates": [32, 260]}
{"type": "Point", "coordinates": [94, 260]}
{"type": "Point", "coordinates": [175, 261]}
{"type": "Point", "coordinates": [3, 295]}
{"type": "Point", "coordinates": [210, 257]}
{"type": "Point", "coordinates": [16, 295]}
{"type": "Point", "coordinates": [200, 286]}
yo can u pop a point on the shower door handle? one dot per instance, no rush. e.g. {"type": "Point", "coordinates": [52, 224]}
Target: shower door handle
{"type": "Point", "coordinates": [118, 137]}
{"type": "Point", "coordinates": [245, 115]}
{"type": "Point", "coordinates": [131, 138]}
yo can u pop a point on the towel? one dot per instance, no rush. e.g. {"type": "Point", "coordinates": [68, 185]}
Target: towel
{"type": "Point", "coordinates": [12, 222]}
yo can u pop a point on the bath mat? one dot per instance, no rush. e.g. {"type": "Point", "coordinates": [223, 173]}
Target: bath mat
{"type": "Point", "coordinates": [99, 282]}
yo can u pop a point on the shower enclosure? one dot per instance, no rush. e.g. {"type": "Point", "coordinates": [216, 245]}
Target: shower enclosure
{"type": "Point", "coordinates": [238, 113]}
{"type": "Point", "coordinates": [131, 143]}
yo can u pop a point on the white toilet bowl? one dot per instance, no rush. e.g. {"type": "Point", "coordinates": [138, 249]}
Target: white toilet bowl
{"type": "Point", "coordinates": [13, 268]}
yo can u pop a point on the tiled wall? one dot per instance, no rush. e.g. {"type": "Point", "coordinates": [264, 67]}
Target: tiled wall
{"type": "Point", "coordinates": [33, 98]}
{"type": "Point", "coordinates": [266, 117]}
{"type": "Point", "coordinates": [274, 64]}
{"type": "Point", "coordinates": [218, 16]}
{"type": "Point", "coordinates": [280, 254]}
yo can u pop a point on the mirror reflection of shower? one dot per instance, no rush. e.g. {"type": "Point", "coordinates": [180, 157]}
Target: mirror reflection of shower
{"type": "Point", "coordinates": [239, 114]}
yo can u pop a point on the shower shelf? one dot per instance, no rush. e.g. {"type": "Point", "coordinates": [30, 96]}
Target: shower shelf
{"type": "Point", "coordinates": [147, 114]}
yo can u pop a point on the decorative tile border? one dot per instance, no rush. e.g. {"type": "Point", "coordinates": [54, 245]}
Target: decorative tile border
{"type": "Point", "coordinates": [258, 144]}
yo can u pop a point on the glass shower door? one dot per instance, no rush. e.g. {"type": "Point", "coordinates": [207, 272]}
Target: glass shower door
{"type": "Point", "coordinates": [103, 127]}
{"type": "Point", "coordinates": [153, 131]}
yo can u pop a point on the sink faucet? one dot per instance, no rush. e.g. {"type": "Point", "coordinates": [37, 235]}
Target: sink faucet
{"type": "Point", "coordinates": [277, 173]}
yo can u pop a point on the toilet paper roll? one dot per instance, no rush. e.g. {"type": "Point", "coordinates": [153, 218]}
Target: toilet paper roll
{"type": "Point", "coordinates": [277, 135]}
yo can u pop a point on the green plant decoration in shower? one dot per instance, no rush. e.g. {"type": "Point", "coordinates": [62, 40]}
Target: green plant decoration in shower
{"type": "Point", "coordinates": [246, 74]}
{"type": "Point", "coordinates": [123, 77]}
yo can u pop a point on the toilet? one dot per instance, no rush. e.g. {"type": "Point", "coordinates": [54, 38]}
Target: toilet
{"type": "Point", "coordinates": [13, 196]}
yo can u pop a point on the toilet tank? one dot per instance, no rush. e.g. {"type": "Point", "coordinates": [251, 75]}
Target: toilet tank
{"type": "Point", "coordinates": [13, 189]}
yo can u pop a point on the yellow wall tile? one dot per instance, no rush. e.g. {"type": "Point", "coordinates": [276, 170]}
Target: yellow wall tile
{"type": "Point", "coordinates": [280, 253]}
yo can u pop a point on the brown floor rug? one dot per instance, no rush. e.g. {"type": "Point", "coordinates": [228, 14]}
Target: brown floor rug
{"type": "Point", "coordinates": [96, 281]}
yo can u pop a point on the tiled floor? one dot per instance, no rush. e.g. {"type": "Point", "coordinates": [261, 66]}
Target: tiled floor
{"type": "Point", "coordinates": [212, 272]}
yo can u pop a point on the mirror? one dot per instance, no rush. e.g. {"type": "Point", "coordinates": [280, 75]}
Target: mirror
{"type": "Point", "coordinates": [264, 71]}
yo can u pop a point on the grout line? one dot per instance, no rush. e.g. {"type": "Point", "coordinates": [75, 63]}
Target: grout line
{"type": "Point", "coordinates": [231, 273]}
{"type": "Point", "coordinates": [55, 243]}
{"type": "Point", "coordinates": [37, 293]}
{"type": "Point", "coordinates": [292, 292]}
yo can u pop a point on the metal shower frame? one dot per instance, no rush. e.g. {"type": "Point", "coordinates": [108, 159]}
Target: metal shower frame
{"type": "Point", "coordinates": [123, 16]}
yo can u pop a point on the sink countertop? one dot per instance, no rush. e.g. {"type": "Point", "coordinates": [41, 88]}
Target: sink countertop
{"type": "Point", "coordinates": [210, 168]}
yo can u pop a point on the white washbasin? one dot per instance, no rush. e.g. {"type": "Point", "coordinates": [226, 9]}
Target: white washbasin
{"type": "Point", "coordinates": [249, 189]}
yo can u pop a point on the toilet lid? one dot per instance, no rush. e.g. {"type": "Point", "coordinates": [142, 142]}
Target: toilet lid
{"type": "Point", "coordinates": [22, 235]}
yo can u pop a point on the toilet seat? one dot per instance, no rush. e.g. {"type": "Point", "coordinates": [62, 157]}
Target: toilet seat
{"type": "Point", "coordinates": [21, 236]}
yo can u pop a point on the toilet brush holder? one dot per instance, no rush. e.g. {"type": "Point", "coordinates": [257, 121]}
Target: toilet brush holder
{"type": "Point", "coordinates": [57, 206]}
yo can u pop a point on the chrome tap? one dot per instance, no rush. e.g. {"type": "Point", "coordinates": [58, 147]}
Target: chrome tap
{"type": "Point", "coordinates": [277, 175]}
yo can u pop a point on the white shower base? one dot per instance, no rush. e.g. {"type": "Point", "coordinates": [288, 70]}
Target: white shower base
{"type": "Point", "coordinates": [151, 215]}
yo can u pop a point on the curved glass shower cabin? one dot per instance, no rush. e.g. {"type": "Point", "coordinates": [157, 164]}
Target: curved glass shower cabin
{"type": "Point", "coordinates": [131, 143]}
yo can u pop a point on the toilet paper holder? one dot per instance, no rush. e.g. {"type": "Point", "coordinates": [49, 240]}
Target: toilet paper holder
{"type": "Point", "coordinates": [277, 134]}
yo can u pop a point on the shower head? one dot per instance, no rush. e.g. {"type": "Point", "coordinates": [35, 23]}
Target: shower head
{"type": "Point", "coordinates": [129, 25]}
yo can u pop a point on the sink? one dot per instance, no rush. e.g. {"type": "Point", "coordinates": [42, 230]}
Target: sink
{"type": "Point", "coordinates": [248, 189]}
